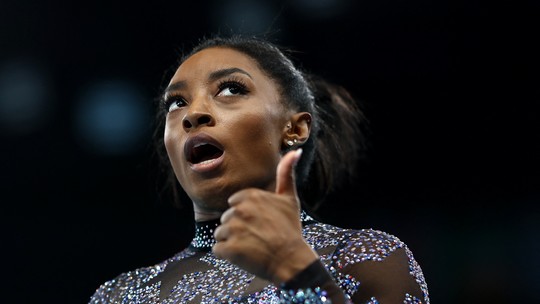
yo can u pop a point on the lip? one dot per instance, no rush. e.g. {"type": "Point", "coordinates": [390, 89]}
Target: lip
{"type": "Point", "coordinates": [208, 165]}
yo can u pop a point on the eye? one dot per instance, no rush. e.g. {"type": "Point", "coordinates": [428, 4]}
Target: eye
{"type": "Point", "coordinates": [231, 88]}
{"type": "Point", "coordinates": [173, 103]}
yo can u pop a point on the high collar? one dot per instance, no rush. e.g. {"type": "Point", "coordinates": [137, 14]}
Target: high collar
{"type": "Point", "coordinates": [204, 232]}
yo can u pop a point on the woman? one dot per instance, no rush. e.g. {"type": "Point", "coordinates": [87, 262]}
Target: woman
{"type": "Point", "coordinates": [254, 142]}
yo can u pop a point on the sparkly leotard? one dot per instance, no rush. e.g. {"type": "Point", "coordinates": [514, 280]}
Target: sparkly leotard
{"type": "Point", "coordinates": [356, 266]}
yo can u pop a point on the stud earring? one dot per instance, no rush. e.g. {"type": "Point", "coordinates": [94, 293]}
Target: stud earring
{"type": "Point", "coordinates": [290, 142]}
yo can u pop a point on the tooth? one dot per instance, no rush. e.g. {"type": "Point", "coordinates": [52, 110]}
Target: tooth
{"type": "Point", "coordinates": [207, 161]}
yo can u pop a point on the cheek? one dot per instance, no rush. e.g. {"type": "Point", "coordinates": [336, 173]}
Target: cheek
{"type": "Point", "coordinates": [260, 132]}
{"type": "Point", "coordinates": [172, 145]}
{"type": "Point", "coordinates": [257, 126]}
{"type": "Point", "coordinates": [168, 140]}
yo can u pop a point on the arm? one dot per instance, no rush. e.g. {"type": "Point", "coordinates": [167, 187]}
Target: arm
{"type": "Point", "coordinates": [312, 285]}
{"type": "Point", "coordinates": [396, 278]}
{"type": "Point", "coordinates": [261, 233]}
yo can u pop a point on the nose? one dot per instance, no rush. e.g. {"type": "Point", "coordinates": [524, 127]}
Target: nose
{"type": "Point", "coordinates": [198, 115]}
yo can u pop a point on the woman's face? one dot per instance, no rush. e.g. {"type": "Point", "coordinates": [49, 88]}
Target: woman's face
{"type": "Point", "coordinates": [225, 127]}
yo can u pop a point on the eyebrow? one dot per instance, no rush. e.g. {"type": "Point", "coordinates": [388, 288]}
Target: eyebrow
{"type": "Point", "coordinates": [226, 72]}
{"type": "Point", "coordinates": [215, 75]}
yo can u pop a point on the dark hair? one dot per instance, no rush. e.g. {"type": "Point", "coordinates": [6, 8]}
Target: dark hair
{"type": "Point", "coordinates": [337, 139]}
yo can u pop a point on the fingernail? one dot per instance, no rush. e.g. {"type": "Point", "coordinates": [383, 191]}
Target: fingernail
{"type": "Point", "coordinates": [297, 155]}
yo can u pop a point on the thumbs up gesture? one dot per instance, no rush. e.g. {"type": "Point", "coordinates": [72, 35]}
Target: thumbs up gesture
{"type": "Point", "coordinates": [261, 232]}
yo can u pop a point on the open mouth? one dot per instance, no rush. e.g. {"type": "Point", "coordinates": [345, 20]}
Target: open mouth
{"type": "Point", "coordinates": [202, 148]}
{"type": "Point", "coordinates": [204, 152]}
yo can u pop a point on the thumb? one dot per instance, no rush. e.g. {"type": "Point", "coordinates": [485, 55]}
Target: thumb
{"type": "Point", "coordinates": [285, 177]}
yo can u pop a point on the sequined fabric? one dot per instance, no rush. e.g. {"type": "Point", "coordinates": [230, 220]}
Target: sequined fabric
{"type": "Point", "coordinates": [197, 276]}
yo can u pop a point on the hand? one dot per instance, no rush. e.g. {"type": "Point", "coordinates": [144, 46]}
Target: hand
{"type": "Point", "coordinates": [261, 232]}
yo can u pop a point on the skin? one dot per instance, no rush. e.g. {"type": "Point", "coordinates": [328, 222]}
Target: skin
{"type": "Point", "coordinates": [251, 187]}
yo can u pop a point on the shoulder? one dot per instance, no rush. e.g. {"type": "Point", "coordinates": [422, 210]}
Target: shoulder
{"type": "Point", "coordinates": [368, 243]}
{"type": "Point", "coordinates": [371, 244]}
{"type": "Point", "coordinates": [108, 291]}
{"type": "Point", "coordinates": [359, 245]}
{"type": "Point", "coordinates": [382, 265]}
{"type": "Point", "coordinates": [112, 291]}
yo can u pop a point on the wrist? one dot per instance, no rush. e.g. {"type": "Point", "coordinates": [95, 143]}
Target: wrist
{"type": "Point", "coordinates": [294, 262]}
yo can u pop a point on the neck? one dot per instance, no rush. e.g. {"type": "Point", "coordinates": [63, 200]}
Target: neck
{"type": "Point", "coordinates": [203, 216]}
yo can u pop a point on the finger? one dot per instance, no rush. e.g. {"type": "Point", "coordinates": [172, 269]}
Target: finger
{"type": "Point", "coordinates": [219, 250]}
{"type": "Point", "coordinates": [241, 195]}
{"type": "Point", "coordinates": [226, 216]}
{"type": "Point", "coordinates": [237, 197]}
{"type": "Point", "coordinates": [285, 178]}
{"type": "Point", "coordinates": [221, 233]}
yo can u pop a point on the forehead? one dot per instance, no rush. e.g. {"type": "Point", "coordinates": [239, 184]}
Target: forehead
{"type": "Point", "coordinates": [216, 58]}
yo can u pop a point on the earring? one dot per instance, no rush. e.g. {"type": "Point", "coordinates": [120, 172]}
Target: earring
{"type": "Point", "coordinates": [291, 142]}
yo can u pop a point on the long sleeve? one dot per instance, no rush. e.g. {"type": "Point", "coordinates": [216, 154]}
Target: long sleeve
{"type": "Point", "coordinates": [386, 281]}
{"type": "Point", "coordinates": [368, 266]}
{"type": "Point", "coordinates": [394, 279]}
{"type": "Point", "coordinates": [312, 285]}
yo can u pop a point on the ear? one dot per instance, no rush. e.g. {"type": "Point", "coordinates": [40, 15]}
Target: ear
{"type": "Point", "coordinates": [297, 130]}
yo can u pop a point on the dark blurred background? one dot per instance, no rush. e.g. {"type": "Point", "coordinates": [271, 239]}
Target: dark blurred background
{"type": "Point", "coordinates": [450, 89]}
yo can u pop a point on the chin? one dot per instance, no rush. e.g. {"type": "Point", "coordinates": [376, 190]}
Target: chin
{"type": "Point", "coordinates": [212, 204]}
